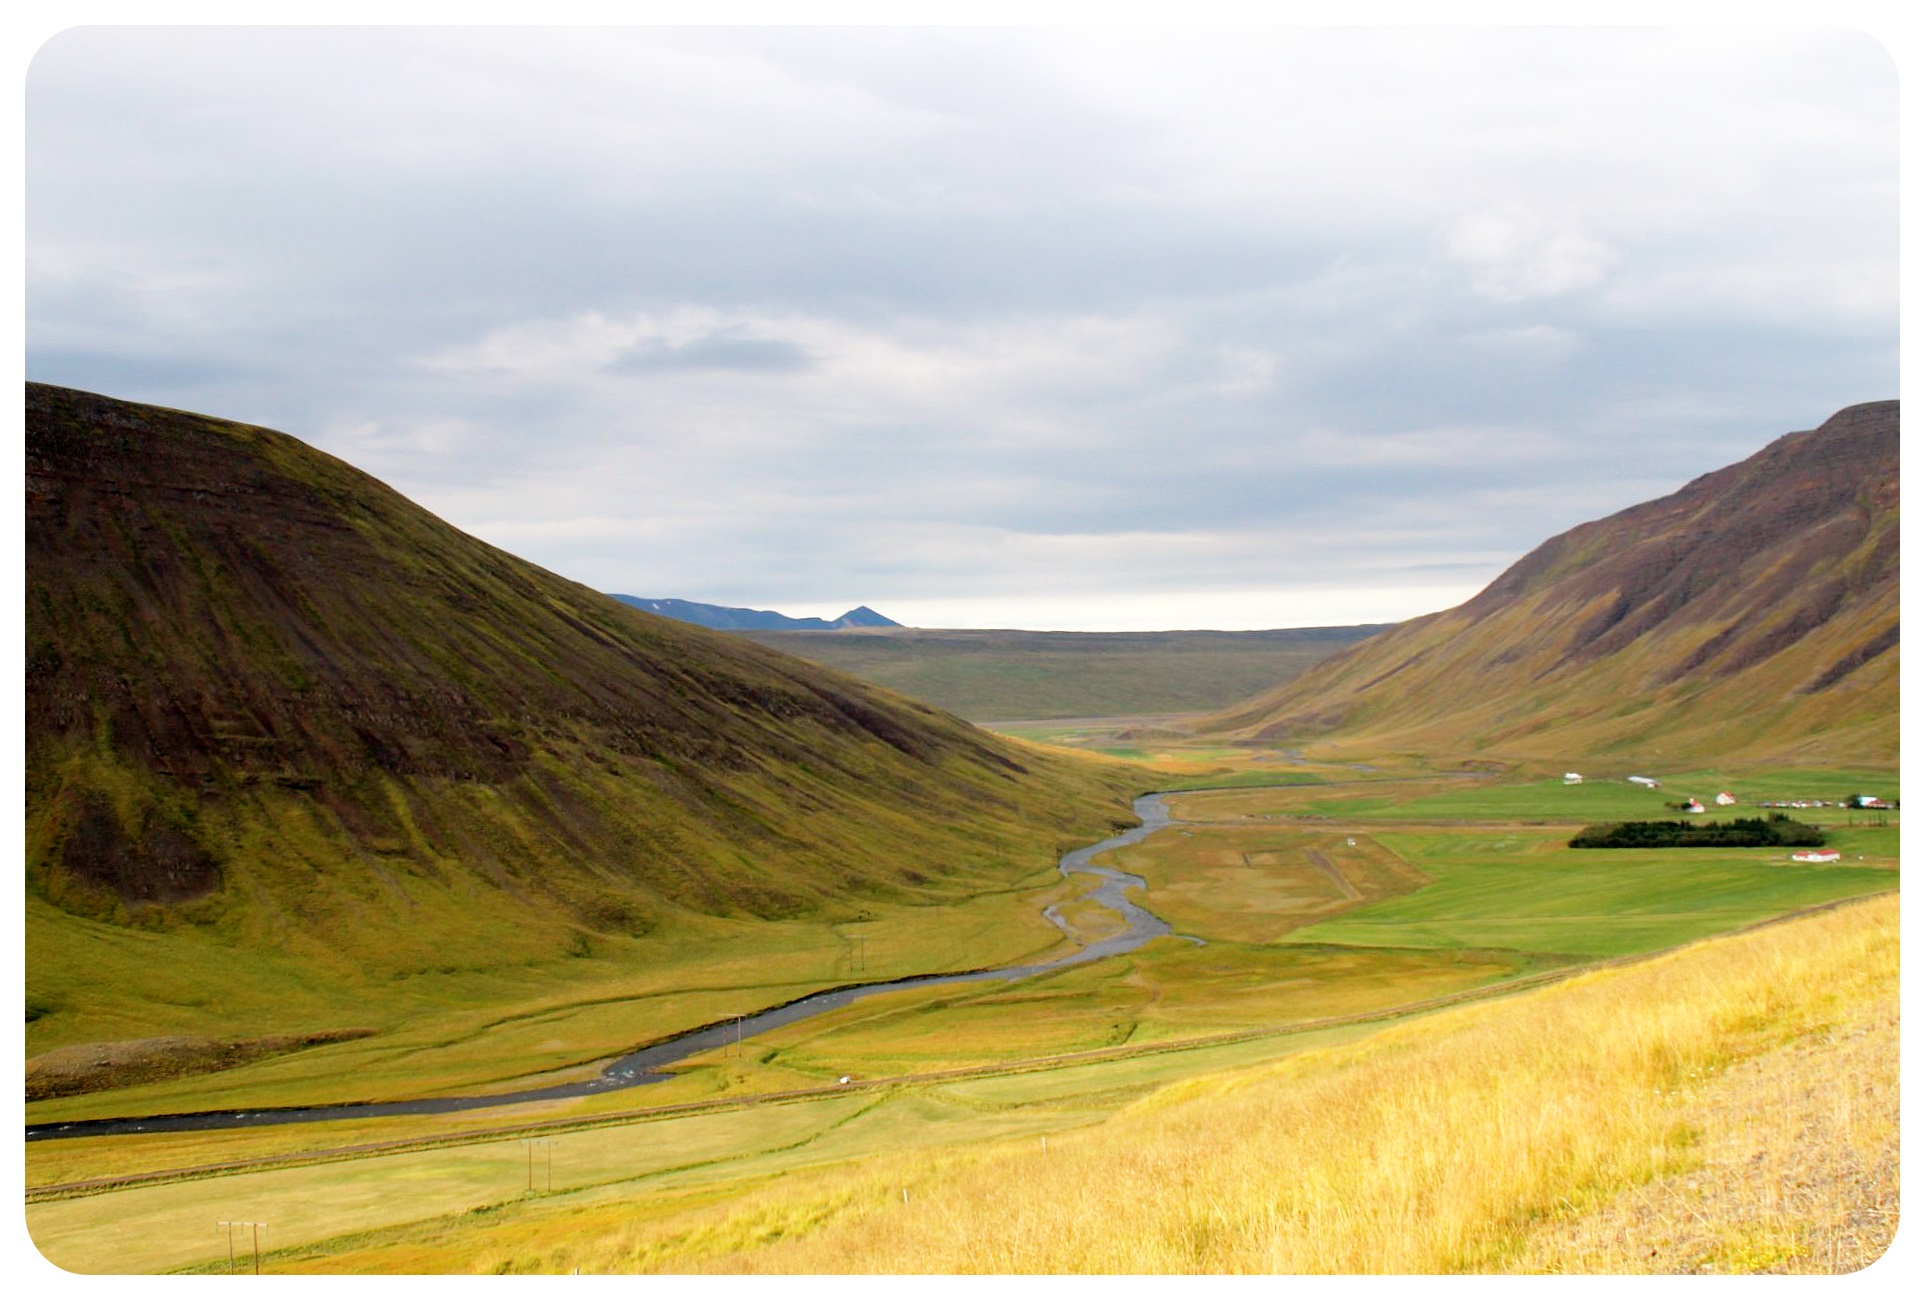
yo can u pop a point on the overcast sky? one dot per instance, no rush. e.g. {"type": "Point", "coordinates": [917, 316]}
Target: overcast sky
{"type": "Point", "coordinates": [1036, 328]}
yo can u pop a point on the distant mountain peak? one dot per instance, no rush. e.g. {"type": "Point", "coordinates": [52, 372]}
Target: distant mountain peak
{"type": "Point", "coordinates": [863, 616]}
{"type": "Point", "coordinates": [731, 618]}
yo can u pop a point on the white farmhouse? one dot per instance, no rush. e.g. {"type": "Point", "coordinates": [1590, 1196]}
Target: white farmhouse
{"type": "Point", "coordinates": [1573, 778]}
{"type": "Point", "coordinates": [1645, 781]}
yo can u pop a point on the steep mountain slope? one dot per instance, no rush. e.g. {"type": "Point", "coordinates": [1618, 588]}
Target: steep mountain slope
{"type": "Point", "coordinates": [272, 704]}
{"type": "Point", "coordinates": [1752, 613]}
{"type": "Point", "coordinates": [735, 619]}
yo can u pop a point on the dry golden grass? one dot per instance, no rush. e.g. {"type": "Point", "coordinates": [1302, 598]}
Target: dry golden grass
{"type": "Point", "coordinates": [1441, 1145]}
{"type": "Point", "coordinates": [1799, 1172]}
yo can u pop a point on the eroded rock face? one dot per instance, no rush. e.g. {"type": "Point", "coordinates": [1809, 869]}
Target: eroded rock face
{"type": "Point", "coordinates": [161, 864]}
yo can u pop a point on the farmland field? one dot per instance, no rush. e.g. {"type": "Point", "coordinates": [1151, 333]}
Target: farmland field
{"type": "Point", "coordinates": [990, 675]}
{"type": "Point", "coordinates": [1309, 912]}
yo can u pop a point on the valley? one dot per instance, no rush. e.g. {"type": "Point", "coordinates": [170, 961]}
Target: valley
{"type": "Point", "coordinates": [331, 806]}
{"type": "Point", "coordinates": [991, 676]}
{"type": "Point", "coordinates": [1328, 910]}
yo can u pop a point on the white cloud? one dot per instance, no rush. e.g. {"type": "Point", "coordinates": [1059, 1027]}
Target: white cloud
{"type": "Point", "coordinates": [1518, 255]}
{"type": "Point", "coordinates": [1150, 611]}
{"type": "Point", "coordinates": [769, 315]}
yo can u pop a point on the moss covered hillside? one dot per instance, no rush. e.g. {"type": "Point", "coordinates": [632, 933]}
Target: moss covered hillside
{"type": "Point", "coordinates": [291, 726]}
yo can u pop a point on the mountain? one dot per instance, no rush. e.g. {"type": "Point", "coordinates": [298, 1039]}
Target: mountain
{"type": "Point", "coordinates": [1752, 613]}
{"type": "Point", "coordinates": [272, 705]}
{"type": "Point", "coordinates": [729, 618]}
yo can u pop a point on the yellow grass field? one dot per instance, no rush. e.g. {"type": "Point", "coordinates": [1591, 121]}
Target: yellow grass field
{"type": "Point", "coordinates": [1433, 1147]}
{"type": "Point", "coordinates": [1503, 1136]}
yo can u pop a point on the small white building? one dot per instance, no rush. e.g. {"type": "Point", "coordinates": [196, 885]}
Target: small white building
{"type": "Point", "coordinates": [1573, 778]}
{"type": "Point", "coordinates": [1645, 781]}
{"type": "Point", "coordinates": [1815, 855]}
{"type": "Point", "coordinates": [1726, 798]}
{"type": "Point", "coordinates": [1693, 806]}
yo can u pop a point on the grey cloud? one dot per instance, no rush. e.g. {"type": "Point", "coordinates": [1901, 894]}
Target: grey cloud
{"type": "Point", "coordinates": [120, 372]}
{"type": "Point", "coordinates": [714, 353]}
{"type": "Point", "coordinates": [988, 292]}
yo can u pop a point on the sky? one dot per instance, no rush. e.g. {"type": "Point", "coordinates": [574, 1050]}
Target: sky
{"type": "Point", "coordinates": [1072, 328]}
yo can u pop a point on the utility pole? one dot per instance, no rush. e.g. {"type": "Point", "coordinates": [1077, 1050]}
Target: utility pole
{"type": "Point", "coordinates": [548, 1146]}
{"type": "Point", "coordinates": [230, 1225]}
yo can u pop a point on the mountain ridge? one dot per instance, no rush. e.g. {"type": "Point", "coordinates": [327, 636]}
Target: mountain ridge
{"type": "Point", "coordinates": [1753, 610]}
{"type": "Point", "coordinates": [732, 618]}
{"type": "Point", "coordinates": [270, 701]}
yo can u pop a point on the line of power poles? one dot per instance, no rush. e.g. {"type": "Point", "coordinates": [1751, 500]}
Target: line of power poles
{"type": "Point", "coordinates": [548, 1146]}
{"type": "Point", "coordinates": [230, 1225]}
{"type": "Point", "coordinates": [855, 951]}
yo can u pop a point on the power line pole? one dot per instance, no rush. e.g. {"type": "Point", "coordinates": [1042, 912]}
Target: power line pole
{"type": "Point", "coordinates": [548, 1154]}
{"type": "Point", "coordinates": [230, 1225]}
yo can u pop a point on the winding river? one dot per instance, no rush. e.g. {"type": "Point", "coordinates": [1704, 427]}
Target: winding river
{"type": "Point", "coordinates": [646, 1064]}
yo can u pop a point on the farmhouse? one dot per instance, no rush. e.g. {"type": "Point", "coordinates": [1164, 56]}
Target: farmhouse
{"type": "Point", "coordinates": [1645, 781]}
{"type": "Point", "coordinates": [1726, 798]}
{"type": "Point", "coordinates": [1693, 806]}
{"type": "Point", "coordinates": [1815, 855]}
{"type": "Point", "coordinates": [1573, 778]}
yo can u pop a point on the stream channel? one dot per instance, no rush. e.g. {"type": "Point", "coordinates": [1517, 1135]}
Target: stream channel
{"type": "Point", "coordinates": [645, 1065]}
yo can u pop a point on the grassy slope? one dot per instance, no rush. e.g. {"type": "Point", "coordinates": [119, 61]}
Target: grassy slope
{"type": "Point", "coordinates": [1427, 1148]}
{"type": "Point", "coordinates": [995, 675]}
{"type": "Point", "coordinates": [299, 754]}
{"type": "Point", "coordinates": [1449, 1142]}
{"type": "Point", "coordinates": [1752, 615]}
{"type": "Point", "coordinates": [1475, 853]}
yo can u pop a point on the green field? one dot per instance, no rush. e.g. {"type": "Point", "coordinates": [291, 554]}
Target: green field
{"type": "Point", "coordinates": [319, 1213]}
{"type": "Point", "coordinates": [1333, 894]}
{"type": "Point", "coordinates": [996, 675]}
{"type": "Point", "coordinates": [1532, 894]}
{"type": "Point", "coordinates": [475, 1031]}
{"type": "Point", "coordinates": [1395, 795]}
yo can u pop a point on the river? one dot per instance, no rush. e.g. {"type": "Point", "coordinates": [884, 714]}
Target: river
{"type": "Point", "coordinates": [646, 1065]}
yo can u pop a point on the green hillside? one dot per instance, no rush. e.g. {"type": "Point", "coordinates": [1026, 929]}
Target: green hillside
{"type": "Point", "coordinates": [290, 738]}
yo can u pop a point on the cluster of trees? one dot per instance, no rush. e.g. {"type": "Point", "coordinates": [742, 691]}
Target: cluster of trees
{"type": "Point", "coordinates": [1742, 833]}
